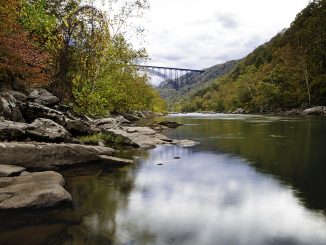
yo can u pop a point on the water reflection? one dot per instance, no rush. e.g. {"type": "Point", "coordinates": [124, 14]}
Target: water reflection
{"type": "Point", "coordinates": [252, 180]}
{"type": "Point", "coordinates": [205, 198]}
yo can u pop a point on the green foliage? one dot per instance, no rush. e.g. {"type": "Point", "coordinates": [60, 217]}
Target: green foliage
{"type": "Point", "coordinates": [106, 138]}
{"type": "Point", "coordinates": [90, 61]}
{"type": "Point", "coordinates": [289, 71]}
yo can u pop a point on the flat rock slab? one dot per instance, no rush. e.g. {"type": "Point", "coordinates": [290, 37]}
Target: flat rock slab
{"type": "Point", "coordinates": [49, 156]}
{"type": "Point", "coordinates": [143, 137]}
{"type": "Point", "coordinates": [10, 170]}
{"type": "Point", "coordinates": [35, 190]}
{"type": "Point", "coordinates": [110, 160]}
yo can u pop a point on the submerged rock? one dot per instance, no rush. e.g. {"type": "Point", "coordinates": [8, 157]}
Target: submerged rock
{"type": "Point", "coordinates": [110, 160]}
{"type": "Point", "coordinates": [10, 170]}
{"type": "Point", "coordinates": [35, 190]}
{"type": "Point", "coordinates": [49, 156]}
{"type": "Point", "coordinates": [185, 143]}
{"type": "Point", "coordinates": [163, 125]}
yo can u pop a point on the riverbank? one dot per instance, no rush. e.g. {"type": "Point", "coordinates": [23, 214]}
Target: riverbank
{"type": "Point", "coordinates": [39, 134]}
{"type": "Point", "coordinates": [303, 111]}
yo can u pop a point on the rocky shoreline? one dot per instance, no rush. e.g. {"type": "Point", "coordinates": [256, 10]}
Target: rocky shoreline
{"type": "Point", "coordinates": [38, 133]}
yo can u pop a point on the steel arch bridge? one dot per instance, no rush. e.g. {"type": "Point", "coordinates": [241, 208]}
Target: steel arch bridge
{"type": "Point", "coordinates": [167, 73]}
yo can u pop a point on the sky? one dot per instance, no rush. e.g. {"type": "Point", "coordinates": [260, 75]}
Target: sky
{"type": "Point", "coordinates": [199, 34]}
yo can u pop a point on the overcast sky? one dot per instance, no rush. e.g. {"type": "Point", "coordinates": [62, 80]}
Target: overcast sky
{"type": "Point", "coordinates": [202, 33]}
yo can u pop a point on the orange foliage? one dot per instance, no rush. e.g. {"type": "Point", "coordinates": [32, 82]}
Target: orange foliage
{"type": "Point", "coordinates": [21, 61]}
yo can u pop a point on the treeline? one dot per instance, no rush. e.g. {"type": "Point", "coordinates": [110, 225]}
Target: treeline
{"type": "Point", "coordinates": [76, 50]}
{"type": "Point", "coordinates": [287, 72]}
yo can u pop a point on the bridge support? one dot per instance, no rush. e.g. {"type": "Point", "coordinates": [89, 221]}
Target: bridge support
{"type": "Point", "coordinates": [167, 73]}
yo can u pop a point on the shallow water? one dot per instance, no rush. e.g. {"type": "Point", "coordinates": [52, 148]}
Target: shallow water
{"type": "Point", "coordinates": [251, 180]}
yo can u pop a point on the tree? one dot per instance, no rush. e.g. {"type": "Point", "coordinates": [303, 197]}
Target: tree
{"type": "Point", "coordinates": [22, 63]}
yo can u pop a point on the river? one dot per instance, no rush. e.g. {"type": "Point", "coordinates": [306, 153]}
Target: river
{"type": "Point", "coordinates": [251, 180]}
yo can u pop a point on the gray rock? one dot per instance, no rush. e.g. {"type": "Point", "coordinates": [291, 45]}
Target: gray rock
{"type": "Point", "coordinates": [164, 125]}
{"type": "Point", "coordinates": [35, 190]}
{"type": "Point", "coordinates": [32, 111]}
{"type": "Point", "coordinates": [9, 108]}
{"type": "Point", "coordinates": [43, 97]}
{"type": "Point", "coordinates": [318, 110]}
{"type": "Point", "coordinates": [117, 160]}
{"type": "Point", "coordinates": [48, 131]}
{"type": "Point", "coordinates": [10, 170]}
{"type": "Point", "coordinates": [239, 111]}
{"type": "Point", "coordinates": [185, 143]}
{"type": "Point", "coordinates": [49, 156]}
{"type": "Point", "coordinates": [139, 136]}
{"type": "Point", "coordinates": [17, 95]}
{"type": "Point", "coordinates": [79, 127]}
{"type": "Point", "coordinates": [112, 122]}
{"type": "Point", "coordinates": [13, 130]}
{"type": "Point", "coordinates": [43, 130]}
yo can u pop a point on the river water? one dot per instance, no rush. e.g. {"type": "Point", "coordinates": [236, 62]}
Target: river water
{"type": "Point", "coordinates": [251, 180]}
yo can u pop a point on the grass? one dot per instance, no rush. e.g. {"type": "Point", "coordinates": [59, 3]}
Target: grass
{"type": "Point", "coordinates": [106, 138]}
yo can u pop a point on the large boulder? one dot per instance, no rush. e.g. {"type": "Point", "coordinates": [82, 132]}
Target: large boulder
{"type": "Point", "coordinates": [143, 137]}
{"type": "Point", "coordinates": [32, 111]}
{"type": "Point", "coordinates": [49, 156]}
{"type": "Point", "coordinates": [34, 190]}
{"type": "Point", "coordinates": [43, 97]}
{"type": "Point", "coordinates": [46, 130]}
{"type": "Point", "coordinates": [79, 127]}
{"type": "Point", "coordinates": [43, 130]}
{"type": "Point", "coordinates": [318, 110]}
{"type": "Point", "coordinates": [9, 108]}
{"type": "Point", "coordinates": [10, 170]}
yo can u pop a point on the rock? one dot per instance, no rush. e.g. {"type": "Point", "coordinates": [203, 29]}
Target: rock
{"type": "Point", "coordinates": [32, 111]}
{"type": "Point", "coordinates": [48, 131]}
{"type": "Point", "coordinates": [9, 108]}
{"type": "Point", "coordinates": [112, 122]}
{"type": "Point", "coordinates": [43, 97]}
{"type": "Point", "coordinates": [110, 160]}
{"type": "Point", "coordinates": [79, 127]}
{"type": "Point", "coordinates": [163, 125]}
{"type": "Point", "coordinates": [10, 170]}
{"type": "Point", "coordinates": [185, 143]}
{"type": "Point", "coordinates": [35, 190]}
{"type": "Point", "coordinates": [49, 156]}
{"type": "Point", "coordinates": [139, 136]}
{"type": "Point", "coordinates": [239, 111]}
{"type": "Point", "coordinates": [17, 95]}
{"type": "Point", "coordinates": [293, 112]}
{"type": "Point", "coordinates": [131, 116]}
{"type": "Point", "coordinates": [44, 130]}
{"type": "Point", "coordinates": [318, 110]}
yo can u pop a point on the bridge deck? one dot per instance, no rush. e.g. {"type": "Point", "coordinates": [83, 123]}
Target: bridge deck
{"type": "Point", "coordinates": [169, 68]}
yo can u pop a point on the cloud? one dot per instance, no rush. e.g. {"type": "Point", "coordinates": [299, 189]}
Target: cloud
{"type": "Point", "coordinates": [227, 21]}
{"type": "Point", "coordinates": [201, 34]}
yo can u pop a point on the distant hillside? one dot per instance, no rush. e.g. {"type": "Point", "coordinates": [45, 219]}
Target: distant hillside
{"type": "Point", "coordinates": [186, 85]}
{"type": "Point", "coordinates": [289, 71]}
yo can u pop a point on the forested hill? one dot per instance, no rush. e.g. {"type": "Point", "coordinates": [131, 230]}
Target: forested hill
{"type": "Point", "coordinates": [174, 91]}
{"type": "Point", "coordinates": [287, 72]}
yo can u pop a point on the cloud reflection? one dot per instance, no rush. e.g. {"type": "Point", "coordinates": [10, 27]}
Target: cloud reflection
{"type": "Point", "coordinates": [205, 198]}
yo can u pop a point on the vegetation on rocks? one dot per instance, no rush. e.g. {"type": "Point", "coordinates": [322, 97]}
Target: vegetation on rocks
{"type": "Point", "coordinates": [78, 51]}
